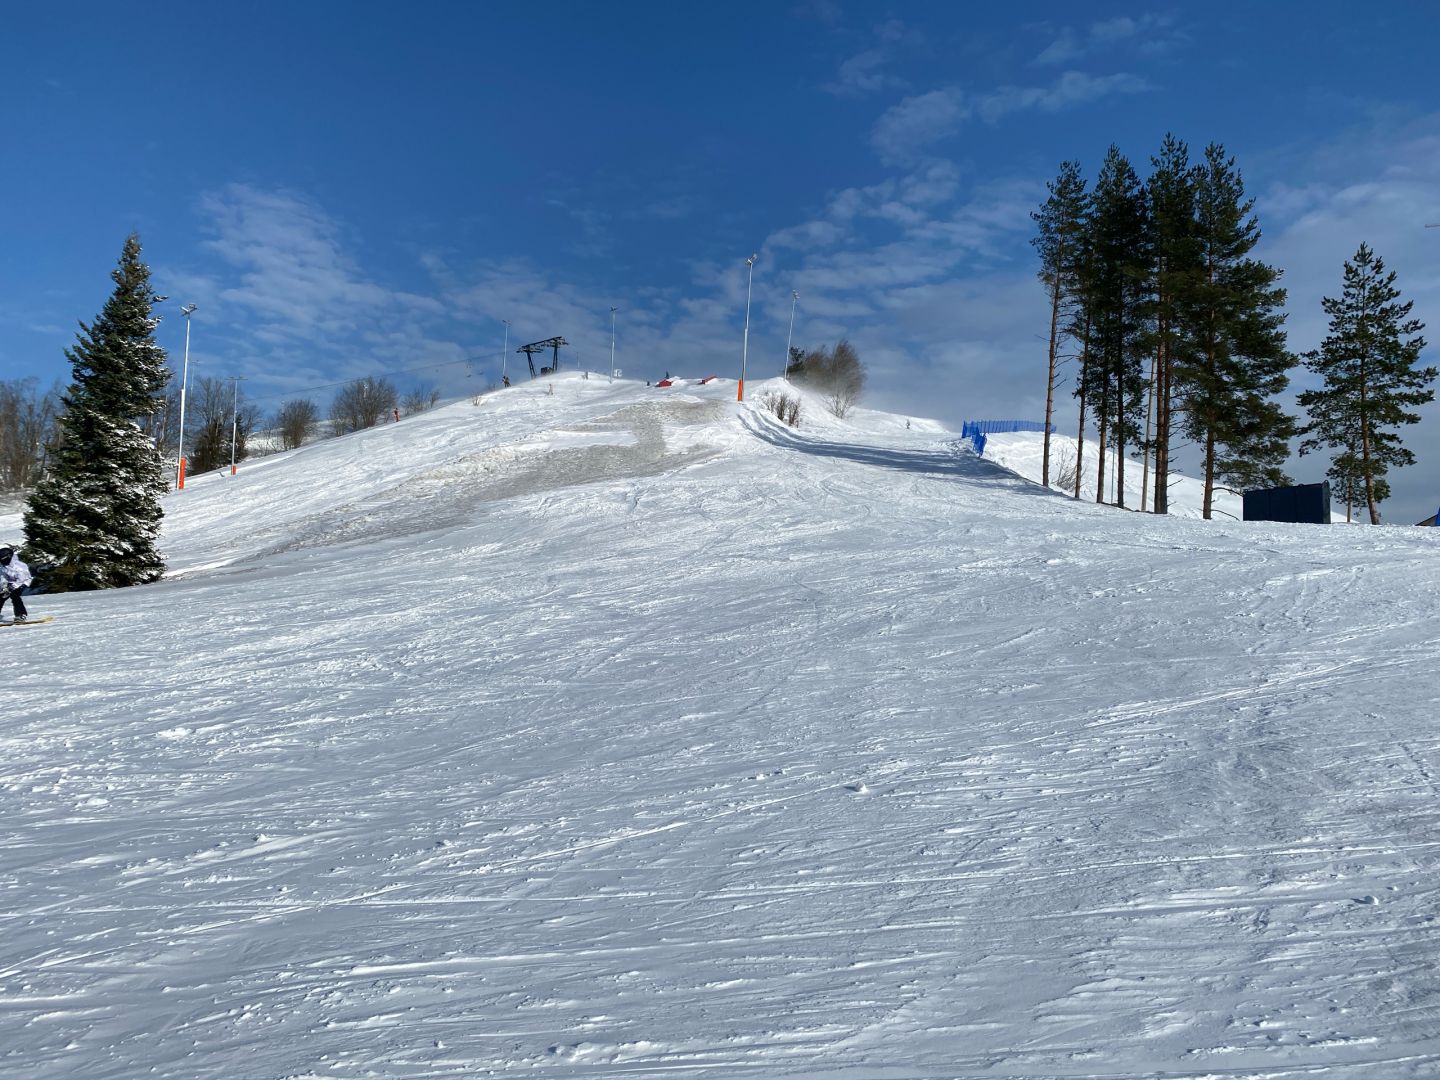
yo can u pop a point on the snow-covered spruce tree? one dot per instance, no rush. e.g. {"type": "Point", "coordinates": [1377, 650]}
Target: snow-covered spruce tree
{"type": "Point", "coordinates": [1059, 223]}
{"type": "Point", "coordinates": [94, 517]}
{"type": "Point", "coordinates": [1371, 381]}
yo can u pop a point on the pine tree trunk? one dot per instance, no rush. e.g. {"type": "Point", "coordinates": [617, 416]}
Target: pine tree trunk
{"type": "Point", "coordinates": [1080, 434]}
{"type": "Point", "coordinates": [1050, 377]}
{"type": "Point", "coordinates": [1104, 412]}
{"type": "Point", "coordinates": [1209, 470]}
{"type": "Point", "coordinates": [1149, 442]}
{"type": "Point", "coordinates": [1120, 463]}
{"type": "Point", "coordinates": [1212, 378]}
{"type": "Point", "coordinates": [1365, 448]}
{"type": "Point", "coordinates": [1084, 386]}
{"type": "Point", "coordinates": [1120, 435]}
{"type": "Point", "coordinates": [1165, 411]}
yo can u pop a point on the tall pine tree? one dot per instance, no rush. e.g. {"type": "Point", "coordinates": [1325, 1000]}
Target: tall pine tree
{"type": "Point", "coordinates": [1175, 271]}
{"type": "Point", "coordinates": [1240, 360]}
{"type": "Point", "coordinates": [1368, 364]}
{"type": "Point", "coordinates": [1060, 222]}
{"type": "Point", "coordinates": [1112, 291]}
{"type": "Point", "coordinates": [94, 517]}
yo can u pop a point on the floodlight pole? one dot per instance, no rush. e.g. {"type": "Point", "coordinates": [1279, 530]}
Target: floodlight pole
{"type": "Point", "coordinates": [612, 344]}
{"type": "Point", "coordinates": [794, 300]}
{"type": "Point", "coordinates": [505, 353]}
{"type": "Point", "coordinates": [187, 311]}
{"type": "Point", "coordinates": [234, 417]}
{"type": "Point", "coordinates": [745, 346]}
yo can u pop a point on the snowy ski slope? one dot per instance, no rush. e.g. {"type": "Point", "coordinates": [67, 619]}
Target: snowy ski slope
{"type": "Point", "coordinates": [619, 732]}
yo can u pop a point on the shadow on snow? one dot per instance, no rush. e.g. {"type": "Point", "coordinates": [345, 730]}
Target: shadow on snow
{"type": "Point", "coordinates": [957, 461]}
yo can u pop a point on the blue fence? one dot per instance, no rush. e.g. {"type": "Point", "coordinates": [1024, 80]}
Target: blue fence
{"type": "Point", "coordinates": [976, 430]}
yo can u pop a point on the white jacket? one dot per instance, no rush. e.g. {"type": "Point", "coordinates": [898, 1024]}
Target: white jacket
{"type": "Point", "coordinates": [14, 573]}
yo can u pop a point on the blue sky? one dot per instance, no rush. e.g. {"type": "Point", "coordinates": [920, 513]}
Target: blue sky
{"type": "Point", "coordinates": [361, 188]}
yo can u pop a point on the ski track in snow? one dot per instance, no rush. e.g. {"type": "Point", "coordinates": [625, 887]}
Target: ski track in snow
{"type": "Point", "coordinates": [609, 734]}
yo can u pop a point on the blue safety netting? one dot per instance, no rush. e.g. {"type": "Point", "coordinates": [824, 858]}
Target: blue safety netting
{"type": "Point", "coordinates": [976, 430]}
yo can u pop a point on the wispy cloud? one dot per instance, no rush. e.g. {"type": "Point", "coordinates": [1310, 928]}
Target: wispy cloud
{"type": "Point", "coordinates": [826, 12]}
{"type": "Point", "coordinates": [881, 263]}
{"type": "Point", "coordinates": [1071, 89]}
{"type": "Point", "coordinates": [906, 201]}
{"type": "Point", "coordinates": [295, 274]}
{"type": "Point", "coordinates": [1149, 33]}
{"type": "Point", "coordinates": [1373, 185]}
{"type": "Point", "coordinates": [287, 300]}
{"type": "Point", "coordinates": [668, 208]}
{"type": "Point", "coordinates": [917, 123]}
{"type": "Point", "coordinates": [867, 72]}
{"type": "Point", "coordinates": [1379, 189]}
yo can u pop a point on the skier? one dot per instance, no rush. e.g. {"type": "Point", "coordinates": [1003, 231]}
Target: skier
{"type": "Point", "coordinates": [14, 578]}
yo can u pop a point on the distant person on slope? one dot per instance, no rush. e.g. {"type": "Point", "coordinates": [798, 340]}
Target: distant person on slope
{"type": "Point", "coordinates": [14, 579]}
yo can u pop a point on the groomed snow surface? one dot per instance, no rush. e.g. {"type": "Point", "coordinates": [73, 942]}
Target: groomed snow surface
{"type": "Point", "coordinates": [599, 730]}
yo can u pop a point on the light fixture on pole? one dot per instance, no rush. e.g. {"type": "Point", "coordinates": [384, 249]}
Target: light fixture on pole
{"type": "Point", "coordinates": [187, 311]}
{"type": "Point", "coordinates": [794, 300]}
{"type": "Point", "coordinates": [612, 344]}
{"type": "Point", "coordinates": [505, 355]}
{"type": "Point", "coordinates": [234, 417]}
{"type": "Point", "coordinates": [745, 345]}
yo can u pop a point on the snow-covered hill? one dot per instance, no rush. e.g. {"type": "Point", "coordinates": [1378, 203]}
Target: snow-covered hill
{"type": "Point", "coordinates": [1023, 452]}
{"type": "Point", "coordinates": [620, 732]}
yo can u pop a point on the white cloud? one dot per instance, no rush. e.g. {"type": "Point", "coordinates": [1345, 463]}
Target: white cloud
{"type": "Point", "coordinates": [1072, 88]}
{"type": "Point", "coordinates": [295, 275]}
{"type": "Point", "coordinates": [1384, 196]}
{"type": "Point", "coordinates": [807, 236]}
{"type": "Point", "coordinates": [288, 303]}
{"type": "Point", "coordinates": [863, 74]}
{"type": "Point", "coordinates": [1065, 49]}
{"type": "Point", "coordinates": [827, 12]}
{"type": "Point", "coordinates": [917, 123]}
{"type": "Point", "coordinates": [866, 72]}
{"type": "Point", "coordinates": [1150, 33]}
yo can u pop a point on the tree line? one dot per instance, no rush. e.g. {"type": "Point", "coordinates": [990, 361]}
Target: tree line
{"type": "Point", "coordinates": [220, 422]}
{"type": "Point", "coordinates": [1178, 333]}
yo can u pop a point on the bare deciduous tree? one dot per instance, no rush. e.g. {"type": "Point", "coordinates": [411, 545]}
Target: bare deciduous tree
{"type": "Point", "coordinates": [837, 374]}
{"type": "Point", "coordinates": [296, 422]}
{"type": "Point", "coordinates": [419, 399]}
{"type": "Point", "coordinates": [1066, 474]}
{"type": "Point", "coordinates": [27, 424]}
{"type": "Point", "coordinates": [784, 406]}
{"type": "Point", "coordinates": [362, 403]}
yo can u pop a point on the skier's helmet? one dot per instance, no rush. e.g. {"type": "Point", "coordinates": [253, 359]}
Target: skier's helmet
{"type": "Point", "coordinates": [5, 554]}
